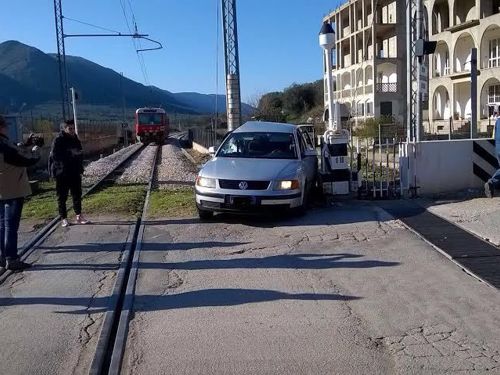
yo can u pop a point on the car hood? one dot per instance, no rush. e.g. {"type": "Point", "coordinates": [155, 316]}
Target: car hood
{"type": "Point", "coordinates": [250, 169]}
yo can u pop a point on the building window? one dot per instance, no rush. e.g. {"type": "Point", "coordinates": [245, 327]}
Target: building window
{"type": "Point", "coordinates": [494, 94]}
{"type": "Point", "coordinates": [446, 63]}
{"type": "Point", "coordinates": [494, 59]}
{"type": "Point", "coordinates": [369, 109]}
{"type": "Point", "coordinates": [360, 110]}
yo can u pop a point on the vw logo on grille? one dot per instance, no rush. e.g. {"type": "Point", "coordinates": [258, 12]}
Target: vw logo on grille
{"type": "Point", "coordinates": [243, 185]}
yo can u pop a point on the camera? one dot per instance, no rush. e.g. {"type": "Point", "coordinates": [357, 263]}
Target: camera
{"type": "Point", "coordinates": [35, 140]}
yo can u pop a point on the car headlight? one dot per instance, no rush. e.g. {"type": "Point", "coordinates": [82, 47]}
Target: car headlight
{"type": "Point", "coordinates": [287, 185]}
{"type": "Point", "coordinates": [205, 182]}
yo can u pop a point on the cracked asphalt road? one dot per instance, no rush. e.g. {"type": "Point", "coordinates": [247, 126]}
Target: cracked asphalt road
{"type": "Point", "coordinates": [344, 290]}
{"type": "Point", "coordinates": [50, 315]}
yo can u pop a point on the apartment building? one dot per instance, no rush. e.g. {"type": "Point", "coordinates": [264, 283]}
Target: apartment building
{"type": "Point", "coordinates": [457, 27]}
{"type": "Point", "coordinates": [370, 59]}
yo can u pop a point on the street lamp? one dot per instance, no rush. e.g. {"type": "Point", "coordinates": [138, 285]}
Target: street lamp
{"type": "Point", "coordinates": [327, 42]}
{"type": "Point", "coordinates": [335, 174]}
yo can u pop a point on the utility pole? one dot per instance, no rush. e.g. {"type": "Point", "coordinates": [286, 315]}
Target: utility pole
{"type": "Point", "coordinates": [419, 36]}
{"type": "Point", "coordinates": [124, 126]}
{"type": "Point", "coordinates": [61, 58]}
{"type": "Point", "coordinates": [412, 91]}
{"type": "Point", "coordinates": [61, 52]}
{"type": "Point", "coordinates": [473, 93]}
{"type": "Point", "coordinates": [73, 102]}
{"type": "Point", "coordinates": [232, 65]}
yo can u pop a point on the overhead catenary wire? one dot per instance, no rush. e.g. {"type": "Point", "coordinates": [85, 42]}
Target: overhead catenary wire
{"type": "Point", "coordinates": [136, 43]}
{"type": "Point", "coordinates": [92, 25]}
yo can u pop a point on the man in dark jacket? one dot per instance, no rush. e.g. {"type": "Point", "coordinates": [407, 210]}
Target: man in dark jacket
{"type": "Point", "coordinates": [67, 168]}
{"type": "Point", "coordinates": [14, 187]}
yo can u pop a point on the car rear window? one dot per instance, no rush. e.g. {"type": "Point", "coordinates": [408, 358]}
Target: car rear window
{"type": "Point", "coordinates": [260, 145]}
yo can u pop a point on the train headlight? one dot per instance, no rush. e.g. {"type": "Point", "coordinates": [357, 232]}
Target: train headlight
{"type": "Point", "coordinates": [205, 182]}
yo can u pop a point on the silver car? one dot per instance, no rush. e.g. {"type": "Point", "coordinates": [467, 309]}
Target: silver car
{"type": "Point", "coordinates": [259, 166]}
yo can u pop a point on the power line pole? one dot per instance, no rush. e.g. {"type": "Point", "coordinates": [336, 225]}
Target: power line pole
{"type": "Point", "coordinates": [73, 102]}
{"type": "Point", "coordinates": [61, 52]}
{"type": "Point", "coordinates": [61, 58]}
{"type": "Point", "coordinates": [412, 73]}
{"type": "Point", "coordinates": [232, 65]}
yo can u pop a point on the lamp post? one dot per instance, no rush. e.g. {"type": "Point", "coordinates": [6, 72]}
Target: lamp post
{"type": "Point", "coordinates": [335, 174]}
{"type": "Point", "coordinates": [327, 42]}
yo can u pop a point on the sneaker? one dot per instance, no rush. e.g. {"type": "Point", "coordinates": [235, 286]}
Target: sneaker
{"type": "Point", "coordinates": [17, 265]}
{"type": "Point", "coordinates": [2, 262]}
{"type": "Point", "coordinates": [65, 223]}
{"type": "Point", "coordinates": [81, 220]}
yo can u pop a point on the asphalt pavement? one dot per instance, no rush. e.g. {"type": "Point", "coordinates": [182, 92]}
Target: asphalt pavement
{"type": "Point", "coordinates": [50, 315]}
{"type": "Point", "coordinates": [343, 290]}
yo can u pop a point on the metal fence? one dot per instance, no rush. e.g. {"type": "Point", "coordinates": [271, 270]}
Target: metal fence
{"type": "Point", "coordinates": [97, 137]}
{"type": "Point", "coordinates": [377, 162]}
{"type": "Point", "coordinates": [208, 137]}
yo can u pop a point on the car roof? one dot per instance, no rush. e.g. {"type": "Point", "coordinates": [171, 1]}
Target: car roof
{"type": "Point", "coordinates": [263, 126]}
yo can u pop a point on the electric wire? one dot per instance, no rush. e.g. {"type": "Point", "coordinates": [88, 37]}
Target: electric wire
{"type": "Point", "coordinates": [136, 43]}
{"type": "Point", "coordinates": [91, 25]}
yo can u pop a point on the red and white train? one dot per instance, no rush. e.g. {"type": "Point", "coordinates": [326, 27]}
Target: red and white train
{"type": "Point", "coordinates": [151, 125]}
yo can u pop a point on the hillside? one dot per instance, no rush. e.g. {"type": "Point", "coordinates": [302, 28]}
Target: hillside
{"type": "Point", "coordinates": [28, 75]}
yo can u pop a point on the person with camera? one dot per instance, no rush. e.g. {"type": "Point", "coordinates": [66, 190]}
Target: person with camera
{"type": "Point", "coordinates": [66, 166]}
{"type": "Point", "coordinates": [14, 187]}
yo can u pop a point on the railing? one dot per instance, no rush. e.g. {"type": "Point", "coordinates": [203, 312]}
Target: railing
{"type": "Point", "coordinates": [442, 129]}
{"type": "Point", "coordinates": [387, 87]}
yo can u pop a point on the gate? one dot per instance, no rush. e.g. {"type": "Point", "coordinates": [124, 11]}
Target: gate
{"type": "Point", "coordinates": [378, 164]}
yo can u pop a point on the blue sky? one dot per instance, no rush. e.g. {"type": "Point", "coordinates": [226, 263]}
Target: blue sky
{"type": "Point", "coordinates": [278, 39]}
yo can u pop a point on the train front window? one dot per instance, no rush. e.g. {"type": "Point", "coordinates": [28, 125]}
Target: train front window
{"type": "Point", "coordinates": [150, 119]}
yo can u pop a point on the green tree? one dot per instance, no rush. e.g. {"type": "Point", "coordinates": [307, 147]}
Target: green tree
{"type": "Point", "coordinates": [270, 107]}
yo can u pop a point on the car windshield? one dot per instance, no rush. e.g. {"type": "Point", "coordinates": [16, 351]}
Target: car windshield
{"type": "Point", "coordinates": [259, 145]}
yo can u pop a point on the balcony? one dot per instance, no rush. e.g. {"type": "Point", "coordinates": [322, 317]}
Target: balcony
{"type": "Point", "coordinates": [387, 87]}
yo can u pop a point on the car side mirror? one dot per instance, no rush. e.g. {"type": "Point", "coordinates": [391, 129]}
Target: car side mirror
{"type": "Point", "coordinates": [211, 150]}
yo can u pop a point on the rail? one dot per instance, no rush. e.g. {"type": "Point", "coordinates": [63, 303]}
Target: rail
{"type": "Point", "coordinates": [47, 230]}
{"type": "Point", "coordinates": [111, 343]}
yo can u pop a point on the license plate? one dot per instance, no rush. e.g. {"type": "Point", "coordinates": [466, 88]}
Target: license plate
{"type": "Point", "coordinates": [241, 201]}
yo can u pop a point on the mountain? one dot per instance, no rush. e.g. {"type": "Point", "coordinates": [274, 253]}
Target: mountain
{"type": "Point", "coordinates": [206, 103]}
{"type": "Point", "coordinates": [28, 75]}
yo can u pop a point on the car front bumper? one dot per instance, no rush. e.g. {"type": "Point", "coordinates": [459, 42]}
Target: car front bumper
{"type": "Point", "coordinates": [250, 201]}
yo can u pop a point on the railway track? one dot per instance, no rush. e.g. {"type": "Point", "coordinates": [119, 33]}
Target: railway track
{"type": "Point", "coordinates": [50, 227]}
{"type": "Point", "coordinates": [112, 334]}
{"type": "Point", "coordinates": [111, 344]}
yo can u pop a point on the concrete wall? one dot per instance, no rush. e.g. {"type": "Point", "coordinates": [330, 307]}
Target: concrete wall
{"type": "Point", "coordinates": [444, 166]}
{"type": "Point", "coordinates": [200, 148]}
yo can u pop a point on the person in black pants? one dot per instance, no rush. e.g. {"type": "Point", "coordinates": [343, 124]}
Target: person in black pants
{"type": "Point", "coordinates": [66, 166]}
